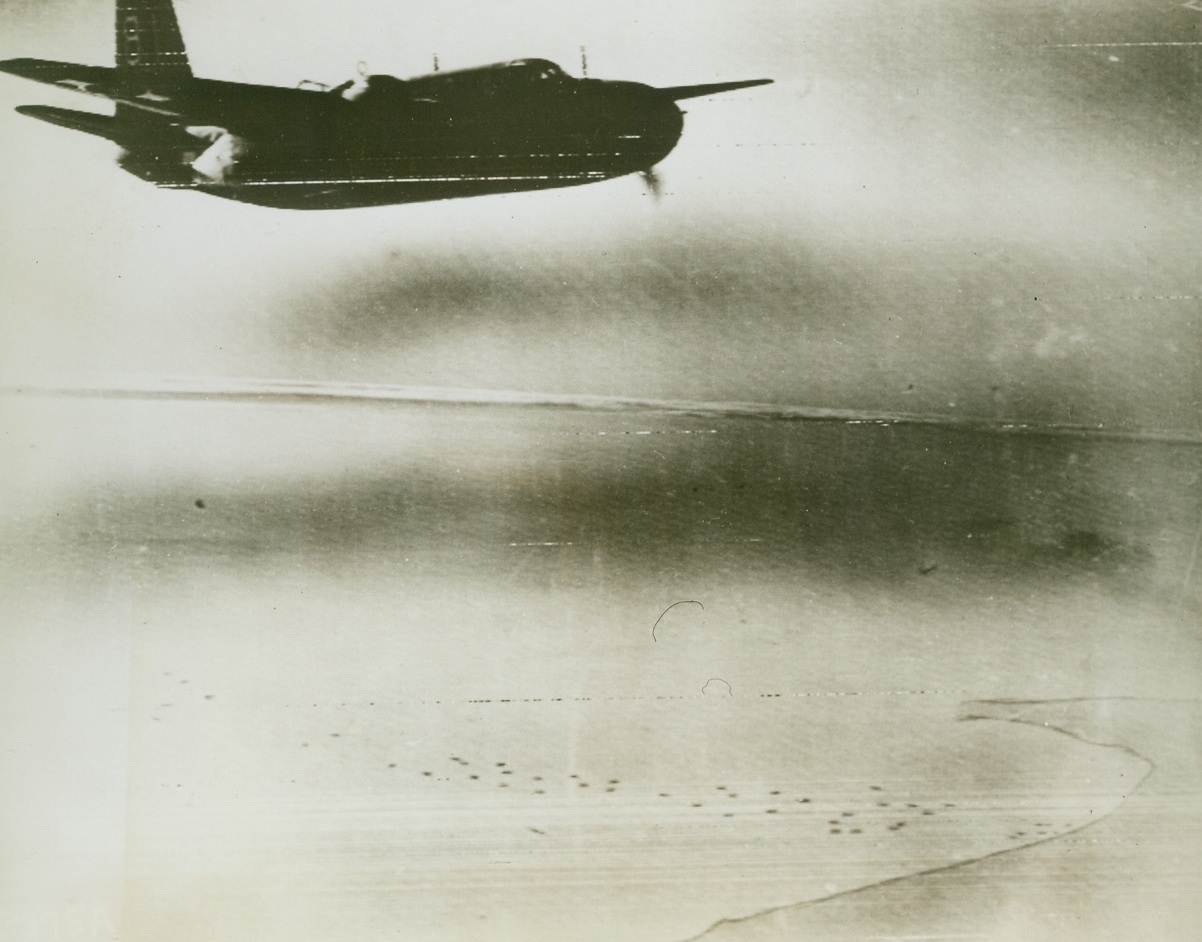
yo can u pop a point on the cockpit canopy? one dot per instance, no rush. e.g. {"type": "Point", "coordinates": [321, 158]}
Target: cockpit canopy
{"type": "Point", "coordinates": [516, 73]}
{"type": "Point", "coordinates": [541, 70]}
{"type": "Point", "coordinates": [375, 86]}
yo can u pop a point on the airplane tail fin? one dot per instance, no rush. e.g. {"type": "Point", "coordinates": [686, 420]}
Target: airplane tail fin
{"type": "Point", "coordinates": [149, 44]}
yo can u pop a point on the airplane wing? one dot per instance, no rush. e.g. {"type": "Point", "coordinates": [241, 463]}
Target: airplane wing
{"type": "Point", "coordinates": [231, 105]}
{"type": "Point", "coordinates": [54, 73]}
{"type": "Point", "coordinates": [93, 80]}
{"type": "Point", "coordinates": [678, 92]}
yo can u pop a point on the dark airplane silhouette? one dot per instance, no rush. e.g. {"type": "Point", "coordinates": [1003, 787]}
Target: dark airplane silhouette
{"type": "Point", "coordinates": [521, 125]}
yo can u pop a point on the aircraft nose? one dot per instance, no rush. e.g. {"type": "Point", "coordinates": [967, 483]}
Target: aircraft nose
{"type": "Point", "coordinates": [645, 122]}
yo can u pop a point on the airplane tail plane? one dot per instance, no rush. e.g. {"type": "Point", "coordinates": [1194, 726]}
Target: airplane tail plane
{"type": "Point", "coordinates": [149, 44]}
{"type": "Point", "coordinates": [98, 124]}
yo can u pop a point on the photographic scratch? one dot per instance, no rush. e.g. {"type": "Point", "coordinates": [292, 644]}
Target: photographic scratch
{"type": "Point", "coordinates": [1190, 566]}
{"type": "Point", "coordinates": [668, 609]}
{"type": "Point", "coordinates": [1118, 45]}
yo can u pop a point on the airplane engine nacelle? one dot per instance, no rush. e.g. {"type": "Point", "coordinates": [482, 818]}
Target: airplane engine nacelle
{"type": "Point", "coordinates": [219, 161]}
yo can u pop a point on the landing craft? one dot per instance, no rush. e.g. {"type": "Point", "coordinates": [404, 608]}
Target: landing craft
{"type": "Point", "coordinates": [377, 140]}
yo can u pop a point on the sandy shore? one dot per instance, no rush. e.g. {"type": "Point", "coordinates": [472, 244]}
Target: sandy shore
{"type": "Point", "coordinates": [1133, 874]}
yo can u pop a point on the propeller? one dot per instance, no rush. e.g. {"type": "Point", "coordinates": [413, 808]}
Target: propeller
{"type": "Point", "coordinates": [652, 181]}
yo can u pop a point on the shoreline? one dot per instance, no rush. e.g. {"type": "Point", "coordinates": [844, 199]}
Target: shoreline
{"type": "Point", "coordinates": [947, 903]}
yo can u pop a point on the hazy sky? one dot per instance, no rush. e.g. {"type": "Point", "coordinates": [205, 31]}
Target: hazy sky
{"type": "Point", "coordinates": [938, 206]}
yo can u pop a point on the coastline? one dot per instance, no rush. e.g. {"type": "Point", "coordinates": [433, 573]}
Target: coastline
{"type": "Point", "coordinates": [1119, 877]}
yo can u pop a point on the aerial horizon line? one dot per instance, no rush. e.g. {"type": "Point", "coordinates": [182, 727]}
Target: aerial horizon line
{"type": "Point", "coordinates": [266, 389]}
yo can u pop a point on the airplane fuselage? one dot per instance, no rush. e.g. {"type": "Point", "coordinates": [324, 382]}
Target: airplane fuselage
{"type": "Point", "coordinates": [407, 141]}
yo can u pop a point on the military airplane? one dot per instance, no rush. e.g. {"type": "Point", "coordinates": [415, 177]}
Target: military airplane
{"type": "Point", "coordinates": [375, 140]}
